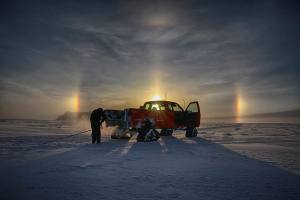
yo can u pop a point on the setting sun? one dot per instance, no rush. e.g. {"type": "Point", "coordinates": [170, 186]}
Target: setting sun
{"type": "Point", "coordinates": [156, 98]}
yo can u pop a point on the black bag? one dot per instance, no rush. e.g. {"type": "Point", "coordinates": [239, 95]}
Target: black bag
{"type": "Point", "coordinates": [147, 133]}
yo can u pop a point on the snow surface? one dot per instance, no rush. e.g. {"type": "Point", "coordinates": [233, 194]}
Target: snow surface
{"type": "Point", "coordinates": [225, 161]}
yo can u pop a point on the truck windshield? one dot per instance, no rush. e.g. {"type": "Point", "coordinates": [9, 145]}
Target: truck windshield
{"type": "Point", "coordinates": [155, 106]}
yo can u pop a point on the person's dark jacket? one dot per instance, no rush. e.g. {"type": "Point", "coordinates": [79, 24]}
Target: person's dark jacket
{"type": "Point", "coordinates": [97, 117]}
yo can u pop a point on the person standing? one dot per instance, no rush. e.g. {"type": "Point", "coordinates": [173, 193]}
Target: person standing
{"type": "Point", "coordinates": [96, 119]}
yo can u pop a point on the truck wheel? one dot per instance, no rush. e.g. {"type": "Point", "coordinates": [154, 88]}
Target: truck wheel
{"type": "Point", "coordinates": [166, 132]}
{"type": "Point", "coordinates": [191, 132]}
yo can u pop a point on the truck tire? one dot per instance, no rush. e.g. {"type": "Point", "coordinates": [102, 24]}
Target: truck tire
{"type": "Point", "coordinates": [191, 132]}
{"type": "Point", "coordinates": [166, 132]}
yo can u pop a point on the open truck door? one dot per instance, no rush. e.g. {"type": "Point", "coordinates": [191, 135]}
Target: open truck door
{"type": "Point", "coordinates": [192, 119]}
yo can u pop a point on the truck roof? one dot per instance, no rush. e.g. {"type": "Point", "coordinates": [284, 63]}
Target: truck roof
{"type": "Point", "coordinates": [159, 101]}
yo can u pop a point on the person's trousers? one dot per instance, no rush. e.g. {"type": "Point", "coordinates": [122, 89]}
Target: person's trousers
{"type": "Point", "coordinates": [96, 135]}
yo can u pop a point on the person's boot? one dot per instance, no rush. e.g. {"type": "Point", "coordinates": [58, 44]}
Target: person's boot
{"type": "Point", "coordinates": [98, 141]}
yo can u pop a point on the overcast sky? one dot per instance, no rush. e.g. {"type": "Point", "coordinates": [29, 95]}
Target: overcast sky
{"type": "Point", "coordinates": [118, 54]}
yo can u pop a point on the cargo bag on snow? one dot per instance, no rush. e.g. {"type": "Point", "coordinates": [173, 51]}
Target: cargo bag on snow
{"type": "Point", "coordinates": [147, 133]}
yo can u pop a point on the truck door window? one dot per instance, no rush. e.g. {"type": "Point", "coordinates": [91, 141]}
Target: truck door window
{"type": "Point", "coordinates": [176, 107]}
{"type": "Point", "coordinates": [192, 108]}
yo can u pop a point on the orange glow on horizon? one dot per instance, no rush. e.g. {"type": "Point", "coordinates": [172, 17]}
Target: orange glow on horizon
{"type": "Point", "coordinates": [75, 103]}
{"type": "Point", "coordinates": [240, 105]}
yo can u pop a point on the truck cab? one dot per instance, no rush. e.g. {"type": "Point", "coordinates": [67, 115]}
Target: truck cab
{"type": "Point", "coordinates": [164, 115]}
{"type": "Point", "coordinates": [169, 115]}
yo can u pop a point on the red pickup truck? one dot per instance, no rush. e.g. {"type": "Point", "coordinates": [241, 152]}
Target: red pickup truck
{"type": "Point", "coordinates": [164, 115]}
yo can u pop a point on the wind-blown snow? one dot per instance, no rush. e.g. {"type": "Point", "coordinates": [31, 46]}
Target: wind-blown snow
{"type": "Point", "coordinates": [225, 161]}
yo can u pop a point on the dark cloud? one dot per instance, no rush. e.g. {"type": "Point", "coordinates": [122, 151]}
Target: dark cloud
{"type": "Point", "coordinates": [119, 53]}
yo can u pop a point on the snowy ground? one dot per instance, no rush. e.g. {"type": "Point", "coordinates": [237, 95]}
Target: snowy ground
{"type": "Point", "coordinates": [226, 161]}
